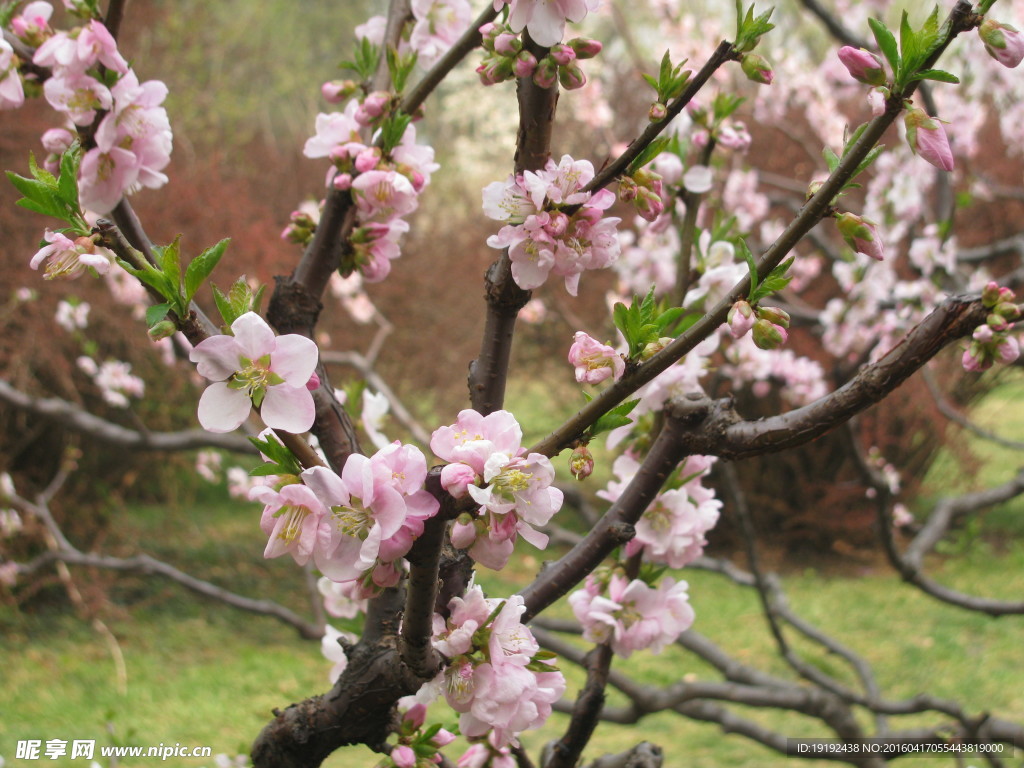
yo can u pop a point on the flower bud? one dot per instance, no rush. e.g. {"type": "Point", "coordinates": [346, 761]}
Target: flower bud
{"type": "Point", "coordinates": [861, 234]}
{"type": "Point", "coordinates": [1008, 310]}
{"type": "Point", "coordinates": [655, 347]}
{"type": "Point", "coordinates": [442, 738]}
{"type": "Point", "coordinates": [648, 204]}
{"type": "Point", "coordinates": [314, 382]}
{"type": "Point", "coordinates": [584, 47]}
{"type": "Point", "coordinates": [342, 181]}
{"type": "Point", "coordinates": [627, 189]}
{"type": "Point", "coordinates": [774, 315]}
{"type": "Point", "coordinates": [927, 138]}
{"type": "Point", "coordinates": [456, 478]}
{"type": "Point", "coordinates": [162, 330]}
{"type": "Point", "coordinates": [368, 159]}
{"type": "Point", "coordinates": [403, 756]}
{"type": "Point", "coordinates": [558, 223]}
{"type": "Point", "coordinates": [757, 68]}
{"type": "Point", "coordinates": [996, 322]}
{"type": "Point", "coordinates": [415, 716]}
{"type": "Point", "coordinates": [507, 44]}
{"type": "Point", "coordinates": [337, 91]}
{"type": "Point", "coordinates": [57, 140]}
{"type": "Point", "coordinates": [563, 55]}
{"type": "Point", "coordinates": [495, 69]}
{"type": "Point", "coordinates": [525, 64]}
{"type": "Point", "coordinates": [1004, 43]}
{"type": "Point", "coordinates": [990, 294]}
{"type": "Point", "coordinates": [546, 73]}
{"type": "Point", "coordinates": [768, 336]}
{"type": "Point", "coordinates": [658, 112]}
{"type": "Point", "coordinates": [463, 533]}
{"type": "Point", "coordinates": [571, 77]}
{"type": "Point", "coordinates": [581, 463]}
{"type": "Point", "coordinates": [489, 32]}
{"type": "Point", "coordinates": [812, 188]}
{"type": "Point", "coordinates": [863, 66]}
{"type": "Point", "coordinates": [740, 319]}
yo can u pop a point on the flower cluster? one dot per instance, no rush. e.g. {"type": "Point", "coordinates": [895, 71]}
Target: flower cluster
{"type": "Point", "coordinates": [417, 747]}
{"type": "Point", "coordinates": [506, 58]}
{"type": "Point", "coordinates": [992, 341]}
{"type": "Point", "coordinates": [114, 379]}
{"type": "Point", "coordinates": [437, 25]}
{"type": "Point", "coordinates": [672, 529]}
{"type": "Point", "coordinates": [497, 676]}
{"type": "Point", "coordinates": [253, 367]}
{"type": "Point", "coordinates": [634, 616]}
{"type": "Point", "coordinates": [133, 137]}
{"type": "Point", "coordinates": [384, 187]}
{"type": "Point", "coordinates": [541, 237]}
{"type": "Point", "coordinates": [356, 526]}
{"type": "Point", "coordinates": [514, 491]}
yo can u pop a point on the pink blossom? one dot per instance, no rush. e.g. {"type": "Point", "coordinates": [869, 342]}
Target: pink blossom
{"type": "Point", "coordinates": [594, 362]}
{"type": "Point", "coordinates": [333, 651]}
{"type": "Point", "coordinates": [291, 519]}
{"type": "Point", "coordinates": [403, 756]}
{"type": "Point", "coordinates": [340, 598]}
{"type": "Point", "coordinates": [516, 494]}
{"type": "Point", "coordinates": [12, 93]}
{"type": "Point", "coordinates": [634, 616]}
{"type": "Point", "coordinates": [106, 176]}
{"type": "Point", "coordinates": [927, 138]}
{"type": "Point", "coordinates": [336, 130]}
{"type": "Point", "coordinates": [861, 234]}
{"type": "Point", "coordinates": [383, 195]}
{"type": "Point", "coordinates": [67, 258]}
{"type": "Point", "coordinates": [545, 19]}
{"type": "Point", "coordinates": [438, 25]}
{"type": "Point", "coordinates": [255, 367]}
{"type": "Point", "coordinates": [77, 94]}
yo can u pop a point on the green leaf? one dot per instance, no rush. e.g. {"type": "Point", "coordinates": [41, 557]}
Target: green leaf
{"type": "Point", "coordinates": [683, 325]}
{"type": "Point", "coordinates": [223, 303]}
{"type": "Point", "coordinates": [169, 259]}
{"type": "Point", "coordinates": [280, 460]}
{"type": "Point", "coordinates": [648, 153]}
{"type": "Point", "coordinates": [393, 129]}
{"type": "Point", "coordinates": [38, 196]}
{"type": "Point", "coordinates": [202, 266]}
{"type": "Point", "coordinates": [67, 185]}
{"type": "Point", "coordinates": [8, 10]}
{"type": "Point", "coordinates": [886, 43]}
{"type": "Point", "coordinates": [831, 159]}
{"type": "Point", "coordinates": [937, 75]}
{"type": "Point", "coordinates": [41, 174]}
{"type": "Point", "coordinates": [50, 208]}
{"type": "Point", "coordinates": [156, 313]}
{"type": "Point", "coordinates": [651, 82]}
{"type": "Point", "coordinates": [668, 317]}
{"type": "Point", "coordinates": [151, 277]}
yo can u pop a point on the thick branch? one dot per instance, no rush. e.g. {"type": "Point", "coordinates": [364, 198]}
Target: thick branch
{"type": "Point", "coordinates": [724, 434]}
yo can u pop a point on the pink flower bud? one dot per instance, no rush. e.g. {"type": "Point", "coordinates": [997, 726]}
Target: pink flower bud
{"type": "Point", "coordinates": [507, 44]}
{"type": "Point", "coordinates": [442, 738]}
{"type": "Point", "coordinates": [584, 47]}
{"type": "Point", "coordinates": [861, 234]}
{"type": "Point", "coordinates": [571, 77]}
{"type": "Point", "coordinates": [525, 64]}
{"type": "Point", "coordinates": [1008, 310]}
{"type": "Point", "coordinates": [863, 66]}
{"type": "Point", "coordinates": [456, 478]}
{"type": "Point", "coordinates": [627, 189]}
{"type": "Point", "coordinates": [336, 91]}
{"type": "Point", "coordinates": [558, 223]}
{"type": "Point", "coordinates": [563, 55]}
{"type": "Point", "coordinates": [403, 756]}
{"type": "Point", "coordinates": [927, 138]}
{"type": "Point", "coordinates": [342, 181]}
{"type": "Point", "coordinates": [757, 68]}
{"type": "Point", "coordinates": [1004, 43]}
{"type": "Point", "coordinates": [1005, 294]}
{"type": "Point", "coordinates": [1008, 350]}
{"type": "Point", "coordinates": [990, 294]}
{"type": "Point", "coordinates": [386, 575]}
{"type": "Point", "coordinates": [546, 74]}
{"type": "Point", "coordinates": [488, 32]}
{"type": "Point", "coordinates": [766, 335]}
{"type": "Point", "coordinates": [57, 140]}
{"type": "Point", "coordinates": [314, 382]}
{"type": "Point", "coordinates": [463, 534]}
{"type": "Point", "coordinates": [368, 159]}
{"type": "Point", "coordinates": [415, 716]}
{"type": "Point", "coordinates": [494, 70]}
{"type": "Point", "coordinates": [648, 204]}
{"type": "Point", "coordinates": [657, 112]}
{"type": "Point", "coordinates": [740, 319]}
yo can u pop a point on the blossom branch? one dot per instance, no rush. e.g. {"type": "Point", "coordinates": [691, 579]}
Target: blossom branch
{"type": "Point", "coordinates": [489, 372]}
{"type": "Point", "coordinates": [959, 20]}
{"type": "Point", "coordinates": [615, 527]}
{"type": "Point", "coordinates": [566, 752]}
{"type": "Point", "coordinates": [112, 18]}
{"type": "Point", "coordinates": [723, 53]}
{"type": "Point", "coordinates": [688, 232]}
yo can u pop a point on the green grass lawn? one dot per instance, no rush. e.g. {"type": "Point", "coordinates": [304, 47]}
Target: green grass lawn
{"type": "Point", "coordinates": [199, 673]}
